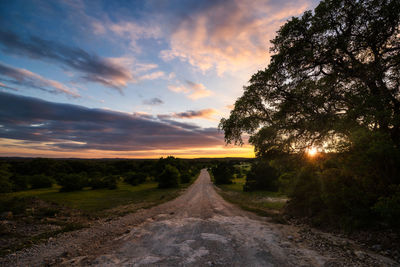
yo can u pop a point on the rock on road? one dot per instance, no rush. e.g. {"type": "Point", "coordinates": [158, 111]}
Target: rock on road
{"type": "Point", "coordinates": [198, 228]}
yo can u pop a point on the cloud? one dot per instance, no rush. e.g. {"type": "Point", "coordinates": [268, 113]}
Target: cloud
{"type": "Point", "coordinates": [134, 32]}
{"type": "Point", "coordinates": [2, 85]}
{"type": "Point", "coordinates": [230, 35]}
{"type": "Point", "coordinates": [65, 127]}
{"type": "Point", "coordinates": [143, 67]}
{"type": "Point", "coordinates": [194, 114]}
{"type": "Point", "coordinates": [91, 67]}
{"type": "Point", "coordinates": [139, 69]}
{"type": "Point", "coordinates": [191, 90]}
{"type": "Point", "coordinates": [98, 28]}
{"type": "Point", "coordinates": [25, 78]}
{"type": "Point", "coordinates": [153, 75]}
{"type": "Point", "coordinates": [153, 101]}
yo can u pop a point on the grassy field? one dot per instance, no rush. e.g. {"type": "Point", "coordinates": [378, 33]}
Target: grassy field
{"type": "Point", "coordinates": [96, 201]}
{"type": "Point", "coordinates": [263, 203]}
{"type": "Point", "coordinates": [57, 212]}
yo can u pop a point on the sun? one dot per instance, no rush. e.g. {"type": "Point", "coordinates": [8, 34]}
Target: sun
{"type": "Point", "coordinates": [312, 151]}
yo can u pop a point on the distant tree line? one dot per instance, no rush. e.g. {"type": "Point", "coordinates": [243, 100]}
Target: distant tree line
{"type": "Point", "coordinates": [72, 175]}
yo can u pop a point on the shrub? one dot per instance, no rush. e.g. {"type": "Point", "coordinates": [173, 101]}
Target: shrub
{"type": "Point", "coordinates": [306, 197]}
{"type": "Point", "coordinates": [261, 177]}
{"type": "Point", "coordinates": [109, 182]}
{"type": "Point", "coordinates": [5, 183]}
{"type": "Point", "coordinates": [20, 182]}
{"type": "Point", "coordinates": [135, 178]}
{"type": "Point", "coordinates": [40, 181]}
{"type": "Point", "coordinates": [223, 173]}
{"type": "Point", "coordinates": [389, 207]}
{"type": "Point", "coordinates": [186, 177]}
{"type": "Point", "coordinates": [72, 182]}
{"type": "Point", "coordinates": [286, 182]}
{"type": "Point", "coordinates": [169, 177]}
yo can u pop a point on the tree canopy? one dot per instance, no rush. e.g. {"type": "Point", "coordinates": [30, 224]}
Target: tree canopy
{"type": "Point", "coordinates": [334, 70]}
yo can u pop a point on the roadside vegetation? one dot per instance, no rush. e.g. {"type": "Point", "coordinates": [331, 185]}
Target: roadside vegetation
{"type": "Point", "coordinates": [324, 118]}
{"type": "Point", "coordinates": [332, 89]}
{"type": "Point", "coordinates": [44, 197]}
{"type": "Point", "coordinates": [235, 189]}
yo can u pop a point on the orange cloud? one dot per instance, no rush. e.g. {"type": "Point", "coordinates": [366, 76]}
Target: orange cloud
{"type": "Point", "coordinates": [192, 90]}
{"type": "Point", "coordinates": [192, 114]}
{"type": "Point", "coordinates": [230, 36]}
{"type": "Point", "coordinates": [26, 78]}
{"type": "Point", "coordinates": [17, 148]}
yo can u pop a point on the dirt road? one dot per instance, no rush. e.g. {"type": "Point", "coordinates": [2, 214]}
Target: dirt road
{"type": "Point", "coordinates": [198, 228]}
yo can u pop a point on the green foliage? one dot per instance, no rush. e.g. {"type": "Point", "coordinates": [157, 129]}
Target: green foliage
{"type": "Point", "coordinates": [389, 207]}
{"type": "Point", "coordinates": [40, 181]}
{"type": "Point", "coordinates": [170, 177]}
{"type": "Point", "coordinates": [353, 189]}
{"type": "Point", "coordinates": [186, 177]}
{"type": "Point", "coordinates": [72, 182]}
{"type": "Point", "coordinates": [286, 182]}
{"type": "Point", "coordinates": [5, 183]}
{"type": "Point", "coordinates": [135, 178]}
{"type": "Point", "coordinates": [20, 182]}
{"type": "Point", "coordinates": [262, 176]}
{"type": "Point", "coordinates": [100, 182]}
{"type": "Point", "coordinates": [223, 173]}
{"type": "Point", "coordinates": [306, 197]}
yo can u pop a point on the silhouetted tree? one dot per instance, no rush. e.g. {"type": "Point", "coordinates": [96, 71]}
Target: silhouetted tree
{"type": "Point", "coordinates": [170, 177]}
{"type": "Point", "coordinates": [334, 70]}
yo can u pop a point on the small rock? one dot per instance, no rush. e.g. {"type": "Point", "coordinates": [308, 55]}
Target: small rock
{"type": "Point", "coordinates": [7, 215]}
{"type": "Point", "coordinates": [360, 254]}
{"type": "Point", "coordinates": [345, 243]}
{"type": "Point", "coordinates": [377, 247]}
{"type": "Point", "coordinates": [290, 237]}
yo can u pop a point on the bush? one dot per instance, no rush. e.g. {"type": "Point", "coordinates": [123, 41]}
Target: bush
{"type": "Point", "coordinates": [286, 182]}
{"type": "Point", "coordinates": [169, 177]}
{"type": "Point", "coordinates": [5, 183]}
{"type": "Point", "coordinates": [135, 178]}
{"type": "Point", "coordinates": [20, 182]}
{"type": "Point", "coordinates": [223, 173]}
{"type": "Point", "coordinates": [389, 207]}
{"type": "Point", "coordinates": [261, 177]}
{"type": "Point", "coordinates": [186, 177]}
{"type": "Point", "coordinates": [72, 182]}
{"type": "Point", "coordinates": [109, 182]}
{"type": "Point", "coordinates": [306, 197]}
{"type": "Point", "coordinates": [40, 181]}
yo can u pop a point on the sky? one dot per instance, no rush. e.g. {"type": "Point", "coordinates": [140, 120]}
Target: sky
{"type": "Point", "coordinates": [129, 79]}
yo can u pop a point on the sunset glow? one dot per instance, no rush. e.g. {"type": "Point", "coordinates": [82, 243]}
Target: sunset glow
{"type": "Point", "coordinates": [90, 79]}
{"type": "Point", "coordinates": [312, 151]}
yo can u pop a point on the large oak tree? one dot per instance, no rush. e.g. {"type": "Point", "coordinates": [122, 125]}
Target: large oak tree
{"type": "Point", "coordinates": [333, 70]}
